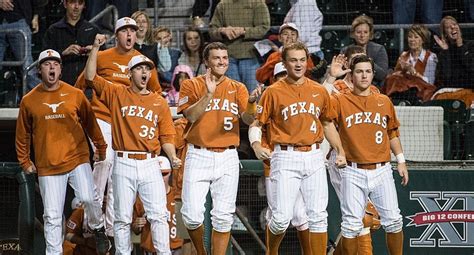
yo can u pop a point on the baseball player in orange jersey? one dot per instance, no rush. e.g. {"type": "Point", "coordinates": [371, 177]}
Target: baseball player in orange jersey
{"type": "Point", "coordinates": [112, 65]}
{"type": "Point", "coordinates": [340, 68]}
{"type": "Point", "coordinates": [368, 128]}
{"type": "Point", "coordinates": [142, 125]}
{"type": "Point", "coordinates": [77, 231]}
{"type": "Point", "coordinates": [141, 225]}
{"type": "Point", "coordinates": [297, 163]}
{"type": "Point", "coordinates": [300, 219]}
{"type": "Point", "coordinates": [213, 104]}
{"type": "Point", "coordinates": [53, 116]}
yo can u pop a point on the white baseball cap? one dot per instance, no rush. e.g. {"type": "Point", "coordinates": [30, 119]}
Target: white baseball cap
{"type": "Point", "coordinates": [140, 59]}
{"type": "Point", "coordinates": [47, 55]}
{"type": "Point", "coordinates": [289, 25]}
{"type": "Point", "coordinates": [279, 68]}
{"type": "Point", "coordinates": [164, 163]}
{"type": "Point", "coordinates": [125, 22]}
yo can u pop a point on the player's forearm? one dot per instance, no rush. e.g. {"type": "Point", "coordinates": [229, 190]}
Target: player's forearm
{"type": "Point", "coordinates": [194, 112]}
{"type": "Point", "coordinates": [91, 65]}
{"type": "Point", "coordinates": [396, 146]}
{"type": "Point", "coordinates": [332, 136]}
{"type": "Point", "coordinates": [170, 150]}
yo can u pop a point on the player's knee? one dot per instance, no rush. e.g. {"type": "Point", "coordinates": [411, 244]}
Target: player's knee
{"type": "Point", "coordinates": [351, 230]}
{"type": "Point", "coordinates": [157, 217]}
{"type": "Point", "coordinates": [302, 227]}
{"type": "Point", "coordinates": [394, 226]}
{"type": "Point", "coordinates": [190, 223]}
{"type": "Point", "coordinates": [318, 224]}
{"type": "Point", "coordinates": [222, 222]}
{"type": "Point", "coordinates": [278, 226]}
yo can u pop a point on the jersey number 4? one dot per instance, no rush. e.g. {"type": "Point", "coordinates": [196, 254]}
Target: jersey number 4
{"type": "Point", "coordinates": [313, 127]}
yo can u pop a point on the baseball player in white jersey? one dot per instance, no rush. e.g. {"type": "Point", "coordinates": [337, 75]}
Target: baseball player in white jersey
{"type": "Point", "coordinates": [368, 128]}
{"type": "Point", "coordinates": [141, 126]}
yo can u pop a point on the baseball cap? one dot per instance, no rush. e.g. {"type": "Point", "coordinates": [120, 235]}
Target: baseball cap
{"type": "Point", "coordinates": [47, 55]}
{"type": "Point", "coordinates": [75, 203]}
{"type": "Point", "coordinates": [125, 22]}
{"type": "Point", "coordinates": [289, 25]}
{"type": "Point", "coordinates": [279, 68]}
{"type": "Point", "coordinates": [140, 59]}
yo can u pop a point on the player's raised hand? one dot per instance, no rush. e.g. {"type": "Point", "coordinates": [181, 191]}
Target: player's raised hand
{"type": "Point", "coordinates": [337, 66]}
{"type": "Point", "coordinates": [256, 93]}
{"type": "Point", "coordinates": [31, 169]}
{"type": "Point", "coordinates": [211, 82]}
{"type": "Point", "coordinates": [441, 42]}
{"type": "Point", "coordinates": [403, 172]}
{"type": "Point", "coordinates": [99, 40]}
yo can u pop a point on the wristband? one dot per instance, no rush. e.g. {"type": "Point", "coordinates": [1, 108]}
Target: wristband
{"type": "Point", "coordinates": [255, 135]}
{"type": "Point", "coordinates": [400, 158]}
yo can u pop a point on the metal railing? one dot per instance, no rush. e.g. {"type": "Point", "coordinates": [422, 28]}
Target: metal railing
{"type": "Point", "coordinates": [24, 37]}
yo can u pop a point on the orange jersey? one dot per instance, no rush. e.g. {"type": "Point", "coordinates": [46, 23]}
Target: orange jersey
{"type": "Point", "coordinates": [146, 239]}
{"type": "Point", "coordinates": [294, 112]}
{"type": "Point", "coordinates": [366, 124]}
{"type": "Point", "coordinates": [113, 66]}
{"type": "Point", "coordinates": [55, 121]}
{"type": "Point", "coordinates": [181, 150]}
{"type": "Point", "coordinates": [139, 122]}
{"type": "Point", "coordinates": [74, 225]}
{"type": "Point", "coordinates": [218, 126]}
{"type": "Point", "coordinates": [265, 72]}
{"type": "Point", "coordinates": [342, 87]}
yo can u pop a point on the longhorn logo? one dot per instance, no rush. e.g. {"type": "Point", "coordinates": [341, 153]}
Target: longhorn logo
{"type": "Point", "coordinates": [54, 107]}
{"type": "Point", "coordinates": [122, 67]}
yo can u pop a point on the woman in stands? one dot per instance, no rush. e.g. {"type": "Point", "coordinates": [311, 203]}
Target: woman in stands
{"type": "Point", "coordinates": [193, 43]}
{"type": "Point", "coordinates": [362, 31]}
{"type": "Point", "coordinates": [414, 74]}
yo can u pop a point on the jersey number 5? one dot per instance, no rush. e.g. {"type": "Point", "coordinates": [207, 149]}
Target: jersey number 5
{"type": "Point", "coordinates": [228, 125]}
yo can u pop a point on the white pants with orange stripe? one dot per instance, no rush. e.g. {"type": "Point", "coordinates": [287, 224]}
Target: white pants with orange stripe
{"type": "Point", "coordinates": [132, 176]}
{"type": "Point", "coordinates": [53, 194]}
{"type": "Point", "coordinates": [357, 186]}
{"type": "Point", "coordinates": [293, 173]}
{"type": "Point", "coordinates": [103, 177]}
{"type": "Point", "coordinates": [299, 220]}
{"type": "Point", "coordinates": [217, 172]}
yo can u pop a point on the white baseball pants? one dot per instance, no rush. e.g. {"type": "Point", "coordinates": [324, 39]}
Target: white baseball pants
{"type": "Point", "coordinates": [299, 220]}
{"type": "Point", "coordinates": [131, 176]}
{"type": "Point", "coordinates": [335, 173]}
{"type": "Point", "coordinates": [357, 186]}
{"type": "Point", "coordinates": [103, 176]}
{"type": "Point", "coordinates": [218, 172]}
{"type": "Point", "coordinates": [53, 193]}
{"type": "Point", "coordinates": [292, 173]}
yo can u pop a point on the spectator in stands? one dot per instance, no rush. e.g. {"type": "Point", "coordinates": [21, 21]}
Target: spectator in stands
{"type": "Point", "coordinates": [163, 38]}
{"type": "Point", "coordinates": [200, 8]}
{"type": "Point", "coordinates": [180, 73]}
{"type": "Point", "coordinates": [306, 15]}
{"type": "Point", "coordinates": [19, 15]}
{"type": "Point", "coordinates": [288, 34]}
{"type": "Point", "coordinates": [415, 69]}
{"type": "Point", "coordinates": [239, 24]}
{"type": "Point", "coordinates": [193, 44]}
{"type": "Point", "coordinates": [73, 37]}
{"type": "Point", "coordinates": [404, 11]}
{"type": "Point", "coordinates": [362, 31]}
{"type": "Point", "coordinates": [455, 70]}
{"type": "Point", "coordinates": [146, 44]}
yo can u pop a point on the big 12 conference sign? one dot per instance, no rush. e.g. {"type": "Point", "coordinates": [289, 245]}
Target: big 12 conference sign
{"type": "Point", "coordinates": [447, 218]}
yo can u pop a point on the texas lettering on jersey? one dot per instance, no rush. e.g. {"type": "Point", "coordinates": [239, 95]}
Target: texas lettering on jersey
{"type": "Point", "coordinates": [217, 104]}
{"type": "Point", "coordinates": [366, 118]}
{"type": "Point", "coordinates": [141, 112]}
{"type": "Point", "coordinates": [300, 107]}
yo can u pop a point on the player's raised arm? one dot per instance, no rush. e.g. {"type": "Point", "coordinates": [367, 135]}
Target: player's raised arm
{"type": "Point", "coordinates": [90, 70]}
{"type": "Point", "coordinates": [193, 112]}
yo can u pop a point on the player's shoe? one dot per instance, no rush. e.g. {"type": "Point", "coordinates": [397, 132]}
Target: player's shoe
{"type": "Point", "coordinates": [101, 241]}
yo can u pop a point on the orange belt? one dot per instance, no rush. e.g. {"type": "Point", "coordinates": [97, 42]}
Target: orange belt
{"type": "Point", "coordinates": [137, 156]}
{"type": "Point", "coordinates": [214, 149]}
{"type": "Point", "coordinates": [303, 148]}
{"type": "Point", "coordinates": [368, 166]}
